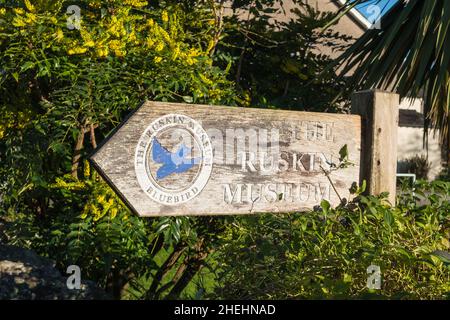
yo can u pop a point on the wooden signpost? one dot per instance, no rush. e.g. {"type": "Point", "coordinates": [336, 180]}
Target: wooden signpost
{"type": "Point", "coordinates": [184, 159]}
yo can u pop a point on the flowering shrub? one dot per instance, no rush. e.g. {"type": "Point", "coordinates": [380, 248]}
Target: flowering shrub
{"type": "Point", "coordinates": [147, 50]}
{"type": "Point", "coordinates": [65, 83]}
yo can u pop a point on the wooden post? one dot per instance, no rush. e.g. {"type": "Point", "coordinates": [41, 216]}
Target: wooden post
{"type": "Point", "coordinates": [379, 112]}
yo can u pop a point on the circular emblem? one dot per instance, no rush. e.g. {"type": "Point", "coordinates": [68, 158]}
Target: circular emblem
{"type": "Point", "coordinates": [173, 160]}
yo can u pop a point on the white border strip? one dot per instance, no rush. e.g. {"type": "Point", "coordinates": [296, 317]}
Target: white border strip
{"type": "Point", "coordinates": [357, 15]}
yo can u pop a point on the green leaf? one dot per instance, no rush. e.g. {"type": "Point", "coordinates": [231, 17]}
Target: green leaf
{"type": "Point", "coordinates": [188, 99]}
{"type": "Point", "coordinates": [343, 153]}
{"type": "Point", "coordinates": [363, 186]}
{"type": "Point", "coordinates": [388, 217]}
{"type": "Point", "coordinates": [347, 277]}
{"type": "Point", "coordinates": [444, 256]}
{"type": "Point", "coordinates": [26, 66]}
{"type": "Point", "coordinates": [325, 206]}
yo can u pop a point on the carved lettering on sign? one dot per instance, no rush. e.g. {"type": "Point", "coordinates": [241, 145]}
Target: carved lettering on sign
{"type": "Point", "coordinates": [180, 159]}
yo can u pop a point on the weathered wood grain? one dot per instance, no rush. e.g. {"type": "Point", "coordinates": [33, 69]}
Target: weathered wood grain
{"type": "Point", "coordinates": [303, 143]}
{"type": "Point", "coordinates": [380, 116]}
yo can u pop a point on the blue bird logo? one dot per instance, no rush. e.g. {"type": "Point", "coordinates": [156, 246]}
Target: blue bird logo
{"type": "Point", "coordinates": [176, 162]}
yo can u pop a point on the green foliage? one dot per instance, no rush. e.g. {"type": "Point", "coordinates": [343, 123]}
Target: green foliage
{"type": "Point", "coordinates": [418, 165]}
{"type": "Point", "coordinates": [326, 253]}
{"type": "Point", "coordinates": [410, 54]}
{"type": "Point", "coordinates": [444, 174]}
{"type": "Point", "coordinates": [63, 90]}
{"type": "Point", "coordinates": [277, 62]}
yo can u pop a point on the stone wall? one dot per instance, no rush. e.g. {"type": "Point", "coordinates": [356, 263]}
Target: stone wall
{"type": "Point", "coordinates": [26, 276]}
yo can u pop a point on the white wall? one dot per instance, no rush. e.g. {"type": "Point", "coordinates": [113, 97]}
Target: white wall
{"type": "Point", "coordinates": [410, 141]}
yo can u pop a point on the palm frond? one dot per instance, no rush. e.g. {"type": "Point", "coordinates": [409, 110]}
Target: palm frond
{"type": "Point", "coordinates": [410, 54]}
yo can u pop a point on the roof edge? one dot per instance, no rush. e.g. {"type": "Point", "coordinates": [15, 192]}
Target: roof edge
{"type": "Point", "coordinates": [366, 24]}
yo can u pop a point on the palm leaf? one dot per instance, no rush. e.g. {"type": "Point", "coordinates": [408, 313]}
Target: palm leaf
{"type": "Point", "coordinates": [410, 54]}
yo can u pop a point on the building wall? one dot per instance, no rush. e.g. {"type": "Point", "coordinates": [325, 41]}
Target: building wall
{"type": "Point", "coordinates": [346, 25]}
{"type": "Point", "coordinates": [410, 142]}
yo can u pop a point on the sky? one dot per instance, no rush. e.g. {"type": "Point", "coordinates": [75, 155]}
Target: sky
{"type": "Point", "coordinates": [372, 13]}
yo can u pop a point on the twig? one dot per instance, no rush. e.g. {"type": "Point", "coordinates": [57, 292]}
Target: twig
{"type": "Point", "coordinates": [327, 174]}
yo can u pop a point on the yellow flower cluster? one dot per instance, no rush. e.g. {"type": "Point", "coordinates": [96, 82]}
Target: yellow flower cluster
{"type": "Point", "coordinates": [102, 52]}
{"type": "Point", "coordinates": [29, 6]}
{"type": "Point", "coordinates": [76, 50]}
{"type": "Point", "coordinates": [87, 38]}
{"type": "Point", "coordinates": [100, 207]}
{"type": "Point", "coordinates": [136, 3]}
{"type": "Point", "coordinates": [121, 32]}
{"type": "Point", "coordinates": [96, 5]}
{"type": "Point", "coordinates": [160, 39]}
{"type": "Point", "coordinates": [22, 19]}
{"type": "Point", "coordinates": [191, 56]}
{"type": "Point", "coordinates": [159, 47]}
{"type": "Point", "coordinates": [116, 27]}
{"type": "Point", "coordinates": [205, 80]}
{"type": "Point", "coordinates": [19, 11]}
{"type": "Point", "coordinates": [164, 16]}
{"type": "Point", "coordinates": [87, 169]}
{"type": "Point", "coordinates": [59, 35]}
{"type": "Point", "coordinates": [13, 119]}
{"type": "Point", "coordinates": [176, 52]}
{"type": "Point", "coordinates": [102, 200]}
{"type": "Point", "coordinates": [115, 40]}
{"type": "Point", "coordinates": [71, 184]}
{"type": "Point", "coordinates": [117, 47]}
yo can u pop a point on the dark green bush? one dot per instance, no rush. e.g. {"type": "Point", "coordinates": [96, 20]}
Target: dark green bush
{"type": "Point", "coordinates": [326, 253]}
{"type": "Point", "coordinates": [418, 165]}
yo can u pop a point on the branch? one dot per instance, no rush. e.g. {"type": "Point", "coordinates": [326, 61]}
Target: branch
{"type": "Point", "coordinates": [187, 270]}
{"type": "Point", "coordinates": [92, 135]}
{"type": "Point", "coordinates": [218, 16]}
{"type": "Point", "coordinates": [79, 146]}
{"type": "Point", "coordinates": [327, 174]}
{"type": "Point", "coordinates": [165, 267]}
{"type": "Point", "coordinates": [77, 153]}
